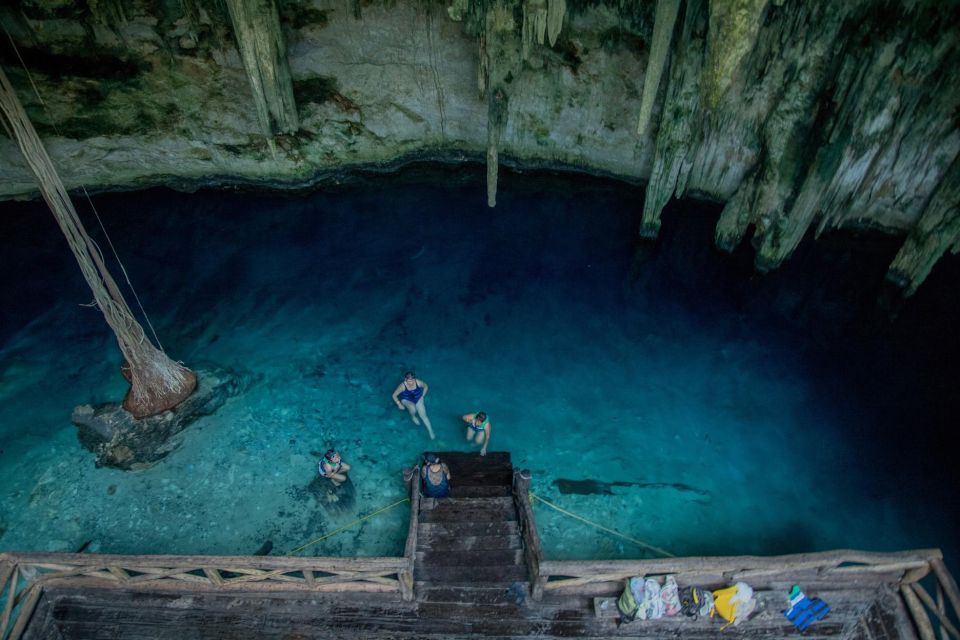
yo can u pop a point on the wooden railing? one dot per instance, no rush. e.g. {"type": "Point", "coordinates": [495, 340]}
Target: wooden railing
{"type": "Point", "coordinates": [841, 569]}
{"type": "Point", "coordinates": [412, 477]}
{"type": "Point", "coordinates": [24, 575]}
{"type": "Point", "coordinates": [774, 572]}
{"type": "Point", "coordinates": [532, 549]}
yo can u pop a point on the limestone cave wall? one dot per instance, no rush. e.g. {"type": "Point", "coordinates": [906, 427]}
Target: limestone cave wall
{"type": "Point", "coordinates": [799, 116]}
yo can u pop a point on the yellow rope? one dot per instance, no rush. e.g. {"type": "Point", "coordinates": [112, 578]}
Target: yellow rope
{"type": "Point", "coordinates": [603, 528]}
{"type": "Point", "coordinates": [347, 526]}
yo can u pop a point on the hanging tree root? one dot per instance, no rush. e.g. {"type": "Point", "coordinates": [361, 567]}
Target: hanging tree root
{"type": "Point", "coordinates": [157, 384]}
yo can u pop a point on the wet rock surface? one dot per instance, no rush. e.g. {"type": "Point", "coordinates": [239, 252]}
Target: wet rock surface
{"type": "Point", "coordinates": [123, 442]}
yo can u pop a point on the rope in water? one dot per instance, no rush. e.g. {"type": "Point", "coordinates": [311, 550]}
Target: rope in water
{"type": "Point", "coordinates": [347, 526]}
{"type": "Point", "coordinates": [603, 528]}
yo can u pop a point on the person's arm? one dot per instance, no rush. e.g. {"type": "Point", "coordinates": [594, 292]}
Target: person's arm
{"type": "Point", "coordinates": [486, 441]}
{"type": "Point", "coordinates": [468, 417]}
{"type": "Point", "coordinates": [446, 470]}
{"type": "Point", "coordinates": [425, 386]}
{"type": "Point", "coordinates": [396, 392]}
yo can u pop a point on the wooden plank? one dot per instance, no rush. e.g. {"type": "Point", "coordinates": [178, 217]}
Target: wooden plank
{"type": "Point", "coordinates": [499, 503]}
{"type": "Point", "coordinates": [467, 515]}
{"type": "Point", "coordinates": [446, 542]}
{"type": "Point", "coordinates": [214, 576]}
{"type": "Point", "coordinates": [917, 613]}
{"type": "Point", "coordinates": [479, 492]}
{"type": "Point", "coordinates": [11, 596]}
{"type": "Point", "coordinates": [826, 560]}
{"type": "Point", "coordinates": [441, 558]}
{"type": "Point", "coordinates": [187, 563]}
{"type": "Point", "coordinates": [468, 528]}
{"type": "Point", "coordinates": [947, 581]}
{"type": "Point", "coordinates": [533, 550]}
{"type": "Point", "coordinates": [488, 573]}
{"type": "Point", "coordinates": [932, 606]}
{"type": "Point", "coordinates": [429, 592]}
{"type": "Point", "coordinates": [25, 612]}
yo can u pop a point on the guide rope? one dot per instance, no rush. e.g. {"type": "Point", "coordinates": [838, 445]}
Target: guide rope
{"type": "Point", "coordinates": [53, 123]}
{"type": "Point", "coordinates": [347, 526]}
{"type": "Point", "coordinates": [641, 543]}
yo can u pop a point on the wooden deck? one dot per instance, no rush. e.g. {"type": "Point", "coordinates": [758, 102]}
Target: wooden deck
{"type": "Point", "coordinates": [473, 568]}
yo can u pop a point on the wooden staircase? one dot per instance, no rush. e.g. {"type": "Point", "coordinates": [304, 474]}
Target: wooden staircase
{"type": "Point", "coordinates": [468, 549]}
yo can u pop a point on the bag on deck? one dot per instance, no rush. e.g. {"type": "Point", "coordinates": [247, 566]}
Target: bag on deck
{"type": "Point", "coordinates": [628, 604]}
{"type": "Point", "coordinates": [670, 594]}
{"type": "Point", "coordinates": [734, 604]}
{"type": "Point", "coordinates": [695, 602]}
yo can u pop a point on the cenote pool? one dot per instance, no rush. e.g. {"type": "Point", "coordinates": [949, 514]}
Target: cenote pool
{"type": "Point", "coordinates": [720, 411]}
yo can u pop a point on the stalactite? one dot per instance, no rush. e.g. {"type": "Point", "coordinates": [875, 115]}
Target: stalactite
{"type": "Point", "coordinates": [788, 134]}
{"type": "Point", "coordinates": [885, 145]}
{"type": "Point", "coordinates": [936, 232]}
{"type": "Point", "coordinates": [679, 121]}
{"type": "Point", "coordinates": [555, 14]}
{"type": "Point", "coordinates": [496, 122]}
{"type": "Point", "coordinates": [733, 31]}
{"type": "Point", "coordinates": [534, 25]}
{"type": "Point", "coordinates": [256, 25]}
{"type": "Point", "coordinates": [483, 67]}
{"type": "Point", "coordinates": [663, 26]}
{"type": "Point", "coordinates": [502, 59]}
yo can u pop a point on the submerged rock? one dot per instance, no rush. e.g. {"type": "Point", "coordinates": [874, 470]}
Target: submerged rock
{"type": "Point", "coordinates": [121, 441]}
{"type": "Point", "coordinates": [336, 500]}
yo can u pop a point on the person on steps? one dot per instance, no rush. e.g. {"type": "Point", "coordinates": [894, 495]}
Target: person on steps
{"type": "Point", "coordinates": [435, 476]}
{"type": "Point", "coordinates": [409, 395]}
{"type": "Point", "coordinates": [333, 467]}
{"type": "Point", "coordinates": [478, 429]}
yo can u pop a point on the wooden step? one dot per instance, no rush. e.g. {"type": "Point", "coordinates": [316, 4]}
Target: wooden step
{"type": "Point", "coordinates": [499, 502]}
{"type": "Point", "coordinates": [482, 479]}
{"type": "Point", "coordinates": [515, 594]}
{"type": "Point", "coordinates": [468, 515]}
{"type": "Point", "coordinates": [448, 542]}
{"type": "Point", "coordinates": [495, 573]}
{"type": "Point", "coordinates": [460, 457]}
{"type": "Point", "coordinates": [469, 558]}
{"type": "Point", "coordinates": [467, 528]}
{"type": "Point", "coordinates": [480, 491]}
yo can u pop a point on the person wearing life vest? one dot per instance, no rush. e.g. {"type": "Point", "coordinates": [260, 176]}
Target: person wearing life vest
{"type": "Point", "coordinates": [333, 467]}
{"type": "Point", "coordinates": [435, 477]}
{"type": "Point", "coordinates": [478, 429]}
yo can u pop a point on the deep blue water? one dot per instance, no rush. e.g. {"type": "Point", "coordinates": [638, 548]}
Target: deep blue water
{"type": "Point", "coordinates": [740, 413]}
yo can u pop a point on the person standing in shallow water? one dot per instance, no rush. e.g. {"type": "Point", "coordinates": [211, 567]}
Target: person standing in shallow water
{"type": "Point", "coordinates": [478, 429]}
{"type": "Point", "coordinates": [436, 477]}
{"type": "Point", "coordinates": [409, 395]}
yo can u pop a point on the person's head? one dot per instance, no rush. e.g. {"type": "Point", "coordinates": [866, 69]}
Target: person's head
{"type": "Point", "coordinates": [409, 375]}
{"type": "Point", "coordinates": [432, 458]}
{"type": "Point", "coordinates": [480, 417]}
{"type": "Point", "coordinates": [331, 455]}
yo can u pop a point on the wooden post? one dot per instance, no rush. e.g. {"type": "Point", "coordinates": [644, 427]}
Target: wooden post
{"type": "Point", "coordinates": [945, 578]}
{"type": "Point", "coordinates": [26, 611]}
{"type": "Point", "coordinates": [945, 625]}
{"type": "Point", "coordinates": [532, 549]}
{"type": "Point", "coordinates": [405, 576]}
{"type": "Point", "coordinates": [11, 596]}
{"type": "Point", "coordinates": [918, 613]}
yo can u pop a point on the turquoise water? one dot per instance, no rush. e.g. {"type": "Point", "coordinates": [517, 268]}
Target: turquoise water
{"type": "Point", "coordinates": [736, 413]}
